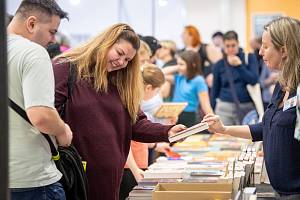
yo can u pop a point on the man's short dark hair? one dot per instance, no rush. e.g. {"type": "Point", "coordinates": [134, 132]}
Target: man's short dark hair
{"type": "Point", "coordinates": [231, 35]}
{"type": "Point", "coordinates": [217, 34]}
{"type": "Point", "coordinates": [48, 7]}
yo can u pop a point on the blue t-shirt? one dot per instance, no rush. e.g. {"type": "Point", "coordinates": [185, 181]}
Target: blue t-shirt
{"type": "Point", "coordinates": [188, 90]}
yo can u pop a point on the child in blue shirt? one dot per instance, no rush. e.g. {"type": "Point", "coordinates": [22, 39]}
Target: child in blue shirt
{"type": "Point", "coordinates": [190, 86]}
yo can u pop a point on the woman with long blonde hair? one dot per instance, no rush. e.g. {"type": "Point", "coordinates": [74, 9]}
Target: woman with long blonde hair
{"type": "Point", "coordinates": [102, 108]}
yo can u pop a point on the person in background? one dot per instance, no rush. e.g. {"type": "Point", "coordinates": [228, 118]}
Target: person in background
{"type": "Point", "coordinates": [53, 50]}
{"type": "Point", "coordinates": [208, 53]}
{"type": "Point", "coordinates": [63, 41]}
{"type": "Point", "coordinates": [229, 95]}
{"type": "Point", "coordinates": [154, 45]}
{"type": "Point", "coordinates": [217, 39]}
{"type": "Point", "coordinates": [32, 173]}
{"type": "Point", "coordinates": [267, 78]}
{"type": "Point", "coordinates": [281, 51]}
{"type": "Point", "coordinates": [144, 53]}
{"type": "Point", "coordinates": [190, 86]}
{"type": "Point", "coordinates": [137, 160]}
{"type": "Point", "coordinates": [103, 109]}
{"type": "Point", "coordinates": [167, 53]}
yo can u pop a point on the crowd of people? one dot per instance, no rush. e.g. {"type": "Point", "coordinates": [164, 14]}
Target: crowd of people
{"type": "Point", "coordinates": [122, 78]}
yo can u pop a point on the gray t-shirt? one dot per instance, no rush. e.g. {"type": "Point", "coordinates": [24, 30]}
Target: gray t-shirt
{"type": "Point", "coordinates": [31, 83]}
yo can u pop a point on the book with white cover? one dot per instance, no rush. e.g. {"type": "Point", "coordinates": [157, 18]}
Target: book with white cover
{"type": "Point", "coordinates": [166, 173]}
{"type": "Point", "coordinates": [188, 132]}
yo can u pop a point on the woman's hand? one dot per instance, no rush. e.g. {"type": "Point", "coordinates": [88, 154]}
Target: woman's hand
{"type": "Point", "coordinates": [138, 174]}
{"type": "Point", "coordinates": [215, 124]}
{"type": "Point", "coordinates": [162, 147]}
{"type": "Point", "coordinates": [176, 129]}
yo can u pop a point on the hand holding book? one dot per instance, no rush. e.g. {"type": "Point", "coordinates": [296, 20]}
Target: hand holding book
{"type": "Point", "coordinates": [187, 132]}
{"type": "Point", "coordinates": [214, 122]}
{"type": "Point", "coordinates": [176, 129]}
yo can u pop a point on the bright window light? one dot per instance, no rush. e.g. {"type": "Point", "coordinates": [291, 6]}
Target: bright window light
{"type": "Point", "coordinates": [162, 3]}
{"type": "Point", "coordinates": [75, 2]}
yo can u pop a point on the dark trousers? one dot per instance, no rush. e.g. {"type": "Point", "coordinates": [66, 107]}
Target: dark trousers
{"type": "Point", "coordinates": [127, 184]}
{"type": "Point", "coordinates": [187, 118]}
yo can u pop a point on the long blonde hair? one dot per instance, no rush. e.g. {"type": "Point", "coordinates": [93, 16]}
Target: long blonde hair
{"type": "Point", "coordinates": [285, 33]}
{"type": "Point", "coordinates": [91, 60]}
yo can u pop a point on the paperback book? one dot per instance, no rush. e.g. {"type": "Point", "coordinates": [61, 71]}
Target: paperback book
{"type": "Point", "coordinates": [188, 132]}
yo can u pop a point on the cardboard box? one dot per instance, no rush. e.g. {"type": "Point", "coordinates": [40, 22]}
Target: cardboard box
{"type": "Point", "coordinates": [192, 191]}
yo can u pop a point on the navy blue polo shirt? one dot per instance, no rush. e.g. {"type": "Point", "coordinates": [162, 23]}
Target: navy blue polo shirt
{"type": "Point", "coordinates": [281, 150]}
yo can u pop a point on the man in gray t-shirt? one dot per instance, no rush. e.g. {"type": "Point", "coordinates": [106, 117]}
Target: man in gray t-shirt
{"type": "Point", "coordinates": [32, 172]}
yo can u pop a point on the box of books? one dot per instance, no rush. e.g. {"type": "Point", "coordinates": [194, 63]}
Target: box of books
{"type": "Point", "coordinates": [192, 191]}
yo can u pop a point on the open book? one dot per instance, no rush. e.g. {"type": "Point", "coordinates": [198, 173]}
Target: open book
{"type": "Point", "coordinates": [187, 132]}
{"type": "Point", "coordinates": [170, 109]}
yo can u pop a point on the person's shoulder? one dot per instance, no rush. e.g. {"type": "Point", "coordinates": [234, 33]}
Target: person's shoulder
{"type": "Point", "coordinates": [199, 79]}
{"type": "Point", "coordinates": [60, 61]}
{"type": "Point", "coordinates": [28, 47]}
{"type": "Point", "coordinates": [61, 64]}
{"type": "Point", "coordinates": [178, 76]}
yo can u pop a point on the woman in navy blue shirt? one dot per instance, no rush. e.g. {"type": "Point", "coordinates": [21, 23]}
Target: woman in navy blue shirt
{"type": "Point", "coordinates": [281, 51]}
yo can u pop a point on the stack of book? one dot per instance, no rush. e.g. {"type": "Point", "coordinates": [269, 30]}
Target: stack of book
{"type": "Point", "coordinates": [215, 159]}
{"type": "Point", "coordinates": [141, 193]}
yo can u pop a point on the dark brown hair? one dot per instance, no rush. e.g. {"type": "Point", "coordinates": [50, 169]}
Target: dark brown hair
{"type": "Point", "coordinates": [193, 63]}
{"type": "Point", "coordinates": [231, 35]}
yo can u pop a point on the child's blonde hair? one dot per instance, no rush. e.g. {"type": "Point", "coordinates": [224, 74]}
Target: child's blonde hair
{"type": "Point", "coordinates": [152, 75]}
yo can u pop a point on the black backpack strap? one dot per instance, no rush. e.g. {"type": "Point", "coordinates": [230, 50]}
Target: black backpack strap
{"type": "Point", "coordinates": [23, 114]}
{"type": "Point", "coordinates": [70, 84]}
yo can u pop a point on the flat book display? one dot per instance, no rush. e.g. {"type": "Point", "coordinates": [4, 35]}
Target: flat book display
{"type": "Point", "coordinates": [188, 132]}
{"type": "Point", "coordinates": [170, 109]}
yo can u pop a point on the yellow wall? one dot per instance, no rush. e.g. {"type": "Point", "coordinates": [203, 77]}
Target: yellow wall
{"type": "Point", "coordinates": [286, 7]}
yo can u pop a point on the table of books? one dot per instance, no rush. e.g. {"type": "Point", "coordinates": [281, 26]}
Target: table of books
{"type": "Point", "coordinates": [203, 167]}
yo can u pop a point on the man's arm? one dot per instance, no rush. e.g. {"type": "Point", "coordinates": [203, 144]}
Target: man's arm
{"type": "Point", "coordinates": [47, 120]}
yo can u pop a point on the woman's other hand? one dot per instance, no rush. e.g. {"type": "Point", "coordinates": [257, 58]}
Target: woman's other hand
{"type": "Point", "coordinates": [214, 122]}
